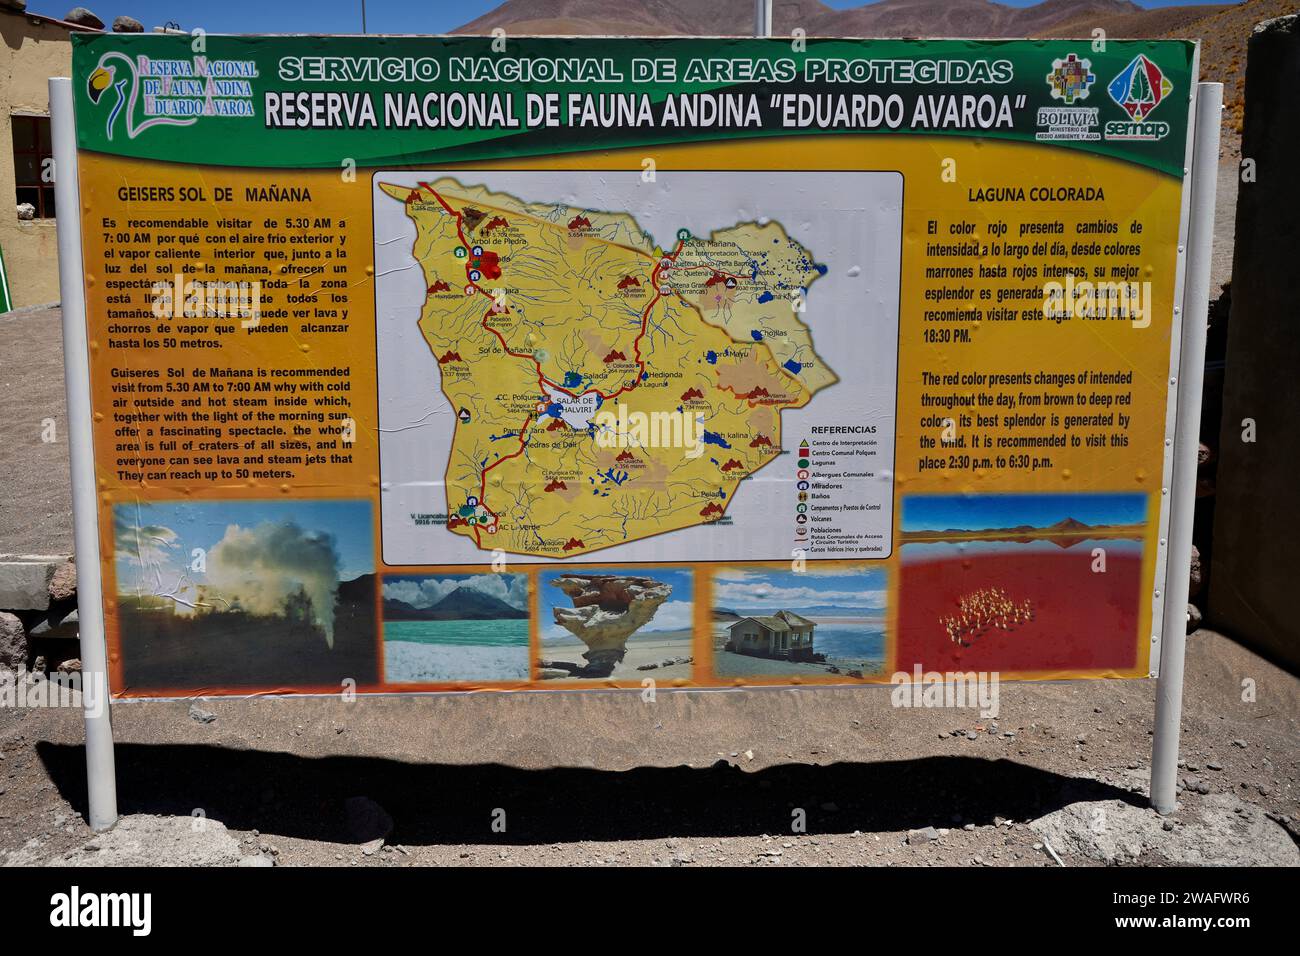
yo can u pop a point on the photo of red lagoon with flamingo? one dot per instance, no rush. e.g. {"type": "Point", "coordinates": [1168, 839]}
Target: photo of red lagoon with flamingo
{"type": "Point", "coordinates": [1020, 582]}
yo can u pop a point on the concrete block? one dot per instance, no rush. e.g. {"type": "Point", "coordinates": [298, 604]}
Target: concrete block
{"type": "Point", "coordinates": [25, 580]}
{"type": "Point", "coordinates": [57, 623]}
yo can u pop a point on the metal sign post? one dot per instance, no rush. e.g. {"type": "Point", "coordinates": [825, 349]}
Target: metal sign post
{"type": "Point", "coordinates": [101, 779]}
{"type": "Point", "coordinates": [762, 18]}
{"type": "Point", "coordinates": [1182, 485]}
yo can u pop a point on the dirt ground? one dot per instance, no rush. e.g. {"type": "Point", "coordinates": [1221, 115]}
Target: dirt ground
{"type": "Point", "coordinates": [659, 651]}
{"type": "Point", "coordinates": [35, 496]}
{"type": "Point", "coordinates": [692, 778]}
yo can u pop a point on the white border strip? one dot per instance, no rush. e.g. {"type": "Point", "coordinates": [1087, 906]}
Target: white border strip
{"type": "Point", "coordinates": [100, 774]}
{"type": "Point", "coordinates": [1158, 589]}
{"type": "Point", "coordinates": [1187, 379]}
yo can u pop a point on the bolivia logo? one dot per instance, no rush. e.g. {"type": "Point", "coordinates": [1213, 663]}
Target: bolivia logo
{"type": "Point", "coordinates": [1070, 79]}
{"type": "Point", "coordinates": [1139, 88]}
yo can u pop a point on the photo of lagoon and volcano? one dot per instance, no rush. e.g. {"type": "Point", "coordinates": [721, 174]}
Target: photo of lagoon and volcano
{"type": "Point", "coordinates": [455, 627]}
{"type": "Point", "coordinates": [1020, 582]}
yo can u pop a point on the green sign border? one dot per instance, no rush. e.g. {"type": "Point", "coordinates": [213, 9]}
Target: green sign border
{"type": "Point", "coordinates": [247, 141]}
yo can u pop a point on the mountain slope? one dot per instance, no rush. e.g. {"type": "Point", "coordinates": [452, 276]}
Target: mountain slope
{"type": "Point", "coordinates": [1223, 29]}
{"type": "Point", "coordinates": [962, 18]}
{"type": "Point", "coordinates": [1223, 35]}
{"type": "Point", "coordinates": [1165, 21]}
{"type": "Point", "coordinates": [462, 604]}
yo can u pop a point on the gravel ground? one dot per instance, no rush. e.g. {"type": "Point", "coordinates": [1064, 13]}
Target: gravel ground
{"type": "Point", "coordinates": [1225, 226]}
{"type": "Point", "coordinates": [36, 503]}
{"type": "Point", "coordinates": [694, 778]}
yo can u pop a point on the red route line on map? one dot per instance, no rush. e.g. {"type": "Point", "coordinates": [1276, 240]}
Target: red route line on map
{"type": "Point", "coordinates": [541, 378]}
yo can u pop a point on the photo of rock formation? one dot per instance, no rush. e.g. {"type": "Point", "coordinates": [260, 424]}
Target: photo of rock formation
{"type": "Point", "coordinates": [626, 625]}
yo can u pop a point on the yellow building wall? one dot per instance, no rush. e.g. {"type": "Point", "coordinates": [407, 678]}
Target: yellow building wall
{"type": "Point", "coordinates": [30, 53]}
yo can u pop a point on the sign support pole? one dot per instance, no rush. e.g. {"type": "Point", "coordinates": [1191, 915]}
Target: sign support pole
{"type": "Point", "coordinates": [762, 18]}
{"type": "Point", "coordinates": [1182, 490]}
{"type": "Point", "coordinates": [101, 778]}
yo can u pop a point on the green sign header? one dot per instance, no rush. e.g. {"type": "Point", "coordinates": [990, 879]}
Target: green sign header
{"type": "Point", "coordinates": [302, 101]}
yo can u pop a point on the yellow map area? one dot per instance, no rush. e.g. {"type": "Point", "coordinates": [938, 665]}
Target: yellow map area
{"type": "Point", "coordinates": [606, 389]}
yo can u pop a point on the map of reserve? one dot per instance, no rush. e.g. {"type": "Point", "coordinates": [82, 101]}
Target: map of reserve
{"type": "Point", "coordinates": [606, 389]}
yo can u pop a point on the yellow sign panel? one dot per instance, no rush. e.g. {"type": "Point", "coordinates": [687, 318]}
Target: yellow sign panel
{"type": "Point", "coordinates": [405, 380]}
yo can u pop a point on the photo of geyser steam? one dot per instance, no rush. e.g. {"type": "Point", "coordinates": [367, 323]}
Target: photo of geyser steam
{"type": "Point", "coordinates": [619, 624]}
{"type": "Point", "coordinates": [245, 594]}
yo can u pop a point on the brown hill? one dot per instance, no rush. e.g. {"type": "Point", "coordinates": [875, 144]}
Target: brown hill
{"type": "Point", "coordinates": [1223, 29]}
{"type": "Point", "coordinates": [963, 18]}
{"type": "Point", "coordinates": [1223, 35]}
{"type": "Point", "coordinates": [1164, 21]}
{"type": "Point", "coordinates": [959, 18]}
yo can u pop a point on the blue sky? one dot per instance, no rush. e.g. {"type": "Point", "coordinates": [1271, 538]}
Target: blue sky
{"type": "Point", "coordinates": [980, 512]}
{"type": "Point", "coordinates": [748, 590]}
{"type": "Point", "coordinates": [329, 16]}
{"type": "Point", "coordinates": [199, 524]}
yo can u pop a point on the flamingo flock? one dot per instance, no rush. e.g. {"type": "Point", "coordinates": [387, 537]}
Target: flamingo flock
{"type": "Point", "coordinates": [985, 609]}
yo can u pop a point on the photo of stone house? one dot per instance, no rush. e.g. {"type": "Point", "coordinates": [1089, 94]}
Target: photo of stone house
{"type": "Point", "coordinates": [783, 636]}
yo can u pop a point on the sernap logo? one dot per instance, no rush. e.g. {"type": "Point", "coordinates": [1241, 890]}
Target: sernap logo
{"type": "Point", "coordinates": [1138, 89]}
{"type": "Point", "coordinates": [1070, 79]}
